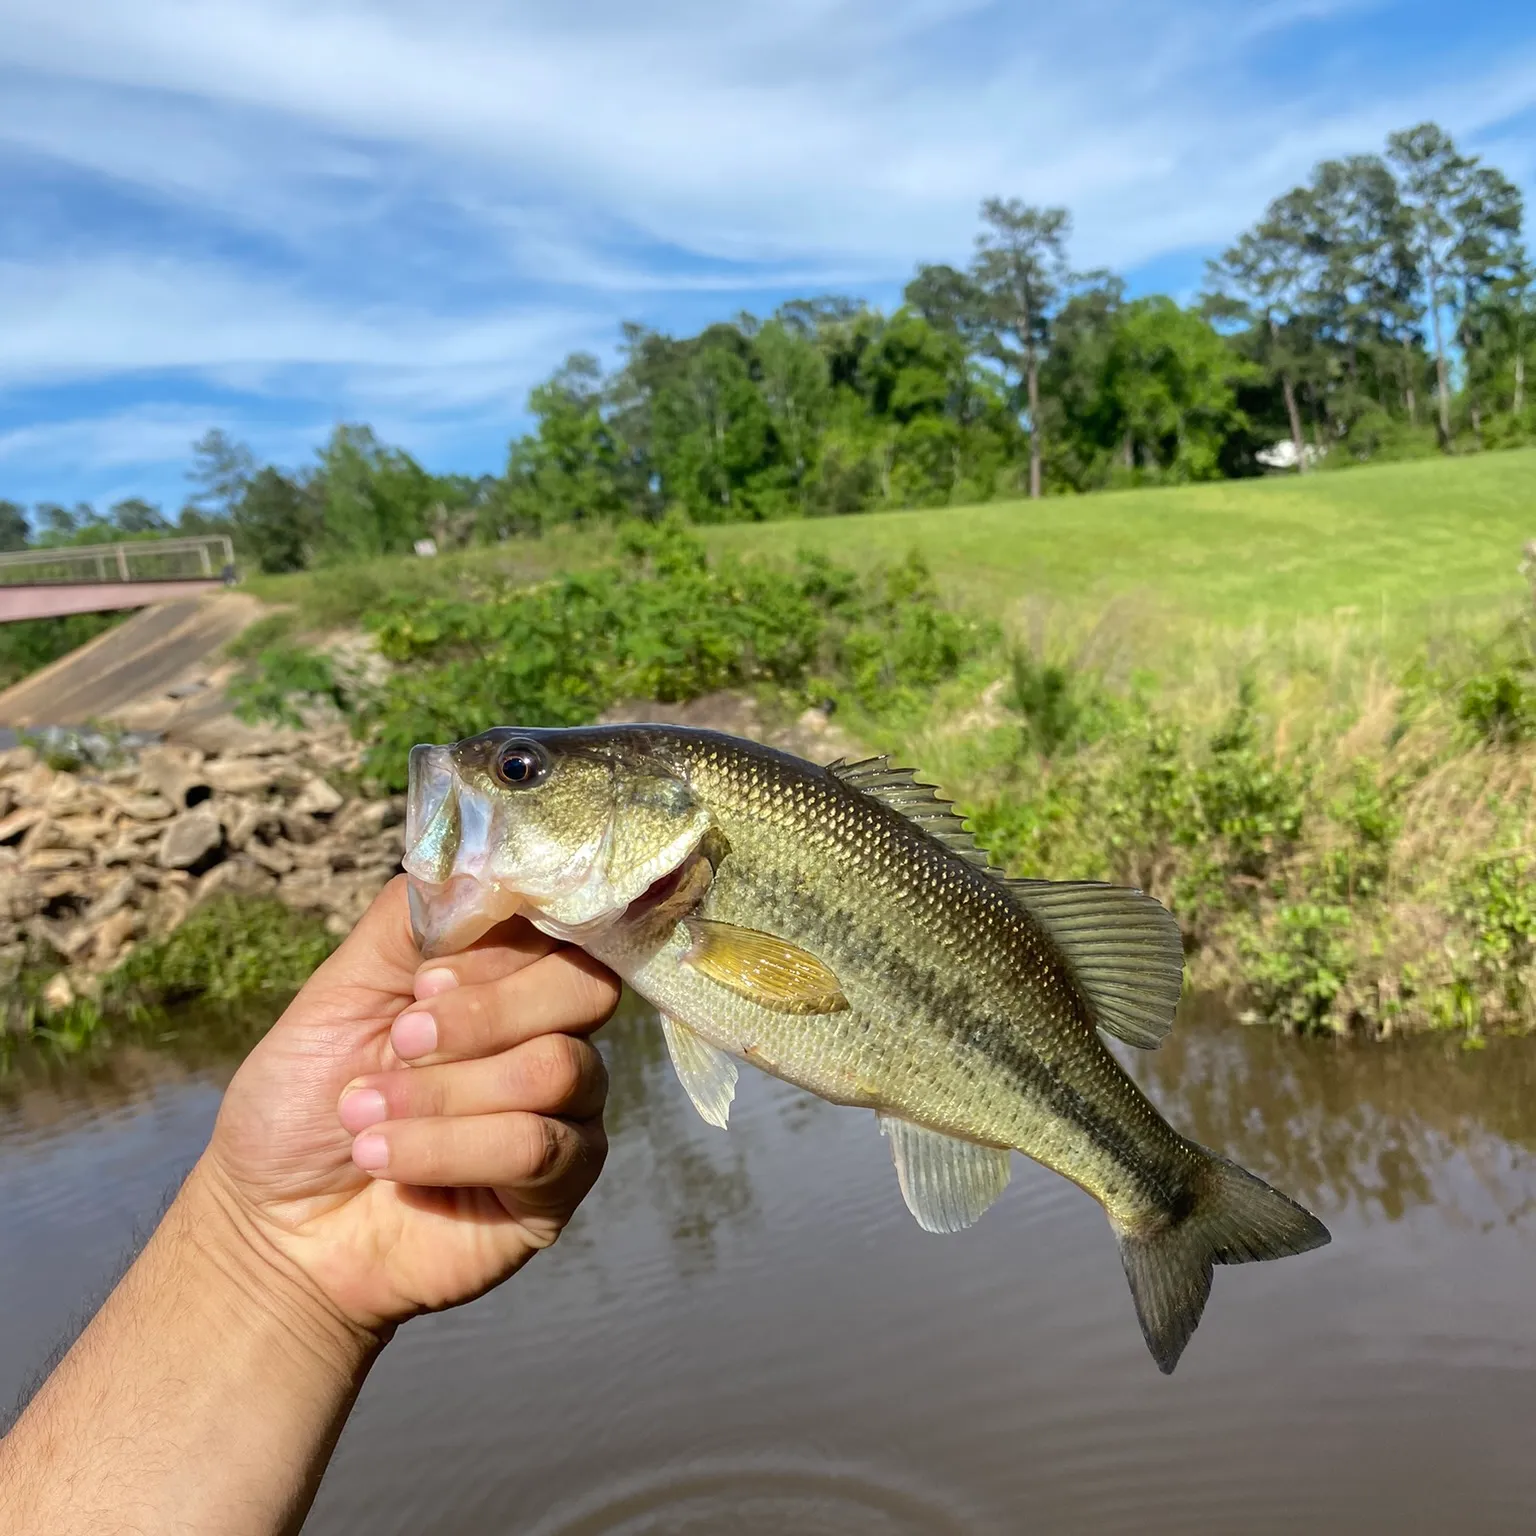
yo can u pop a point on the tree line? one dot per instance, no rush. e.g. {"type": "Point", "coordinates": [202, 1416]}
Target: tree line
{"type": "Point", "coordinates": [1385, 308]}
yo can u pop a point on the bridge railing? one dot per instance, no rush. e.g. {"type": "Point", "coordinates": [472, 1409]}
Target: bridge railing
{"type": "Point", "coordinates": [208, 557]}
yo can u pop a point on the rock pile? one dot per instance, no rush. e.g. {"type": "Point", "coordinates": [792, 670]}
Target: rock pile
{"type": "Point", "coordinates": [94, 860]}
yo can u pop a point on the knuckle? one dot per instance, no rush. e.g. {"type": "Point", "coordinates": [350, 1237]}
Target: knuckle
{"type": "Point", "coordinates": [597, 992]}
{"type": "Point", "coordinates": [552, 1069]}
{"type": "Point", "coordinates": [543, 1148]}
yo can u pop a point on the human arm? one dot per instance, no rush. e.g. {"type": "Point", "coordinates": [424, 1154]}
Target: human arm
{"type": "Point", "coordinates": [208, 1392]}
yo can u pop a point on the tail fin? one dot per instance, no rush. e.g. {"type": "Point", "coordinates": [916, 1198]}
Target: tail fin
{"type": "Point", "coordinates": [1232, 1218]}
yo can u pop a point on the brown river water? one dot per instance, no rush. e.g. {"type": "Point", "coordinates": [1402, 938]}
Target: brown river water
{"type": "Point", "coordinates": [745, 1332]}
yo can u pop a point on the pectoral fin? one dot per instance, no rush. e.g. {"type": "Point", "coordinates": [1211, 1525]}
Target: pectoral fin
{"type": "Point", "coordinates": [947, 1183]}
{"type": "Point", "coordinates": [763, 969]}
{"type": "Point", "coordinates": [707, 1074]}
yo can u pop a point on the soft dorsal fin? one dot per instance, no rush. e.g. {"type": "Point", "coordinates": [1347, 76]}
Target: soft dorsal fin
{"type": "Point", "coordinates": [919, 803]}
{"type": "Point", "coordinates": [1122, 947]}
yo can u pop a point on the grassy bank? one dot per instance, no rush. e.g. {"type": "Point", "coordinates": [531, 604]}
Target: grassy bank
{"type": "Point", "coordinates": [1303, 713]}
{"type": "Point", "coordinates": [229, 952]}
{"type": "Point", "coordinates": [1410, 539]}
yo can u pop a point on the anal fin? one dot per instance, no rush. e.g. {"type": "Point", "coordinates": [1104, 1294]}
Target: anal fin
{"type": "Point", "coordinates": [707, 1074]}
{"type": "Point", "coordinates": [947, 1183]}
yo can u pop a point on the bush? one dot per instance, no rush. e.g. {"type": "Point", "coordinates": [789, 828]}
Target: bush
{"type": "Point", "coordinates": [1297, 965]}
{"type": "Point", "coordinates": [31, 644]}
{"type": "Point", "coordinates": [228, 949]}
{"type": "Point", "coordinates": [665, 624]}
{"type": "Point", "coordinates": [285, 677]}
{"type": "Point", "coordinates": [1500, 706]}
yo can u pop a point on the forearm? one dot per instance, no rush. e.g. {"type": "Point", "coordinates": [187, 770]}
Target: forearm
{"type": "Point", "coordinates": [205, 1396]}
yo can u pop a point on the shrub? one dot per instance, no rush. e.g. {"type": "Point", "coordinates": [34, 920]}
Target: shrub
{"type": "Point", "coordinates": [665, 624]}
{"type": "Point", "coordinates": [1296, 966]}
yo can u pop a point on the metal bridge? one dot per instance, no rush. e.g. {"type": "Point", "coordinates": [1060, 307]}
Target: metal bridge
{"type": "Point", "coordinates": [92, 578]}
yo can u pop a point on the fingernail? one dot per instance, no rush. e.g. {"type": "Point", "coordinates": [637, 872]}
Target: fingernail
{"type": "Point", "coordinates": [370, 1153]}
{"type": "Point", "coordinates": [413, 1035]}
{"type": "Point", "coordinates": [361, 1108]}
{"type": "Point", "coordinates": [432, 983]}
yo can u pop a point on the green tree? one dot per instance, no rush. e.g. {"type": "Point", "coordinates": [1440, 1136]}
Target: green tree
{"type": "Point", "coordinates": [796, 388]}
{"type": "Point", "coordinates": [15, 530]}
{"type": "Point", "coordinates": [1173, 379]}
{"type": "Point", "coordinates": [372, 500]}
{"type": "Point", "coordinates": [570, 468]}
{"type": "Point", "coordinates": [221, 470]}
{"type": "Point", "coordinates": [275, 521]}
{"type": "Point", "coordinates": [1020, 267]}
{"type": "Point", "coordinates": [1258, 281]}
{"type": "Point", "coordinates": [948, 300]}
{"type": "Point", "coordinates": [136, 517]}
{"type": "Point", "coordinates": [1466, 222]}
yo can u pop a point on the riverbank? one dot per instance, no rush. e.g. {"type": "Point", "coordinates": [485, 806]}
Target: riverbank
{"type": "Point", "coordinates": [1345, 830]}
{"type": "Point", "coordinates": [175, 871]}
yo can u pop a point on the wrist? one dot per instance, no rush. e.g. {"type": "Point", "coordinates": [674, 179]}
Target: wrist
{"type": "Point", "coordinates": [247, 1278]}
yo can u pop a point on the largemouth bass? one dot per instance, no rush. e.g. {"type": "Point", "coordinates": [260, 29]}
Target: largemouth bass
{"type": "Point", "coordinates": [838, 928]}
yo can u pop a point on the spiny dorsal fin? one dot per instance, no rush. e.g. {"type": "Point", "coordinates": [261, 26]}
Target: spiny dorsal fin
{"type": "Point", "coordinates": [1122, 947]}
{"type": "Point", "coordinates": [919, 803]}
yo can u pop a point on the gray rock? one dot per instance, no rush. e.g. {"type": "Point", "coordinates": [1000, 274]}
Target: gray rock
{"type": "Point", "coordinates": [146, 807]}
{"type": "Point", "coordinates": [175, 774]}
{"type": "Point", "coordinates": [235, 877]}
{"type": "Point", "coordinates": [240, 775]}
{"type": "Point", "coordinates": [317, 798]}
{"type": "Point", "coordinates": [119, 891]}
{"type": "Point", "coordinates": [190, 839]}
{"type": "Point", "coordinates": [277, 857]}
{"type": "Point", "coordinates": [20, 821]}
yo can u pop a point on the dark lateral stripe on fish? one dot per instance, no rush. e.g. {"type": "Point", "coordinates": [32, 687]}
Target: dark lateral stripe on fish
{"type": "Point", "coordinates": [947, 1000]}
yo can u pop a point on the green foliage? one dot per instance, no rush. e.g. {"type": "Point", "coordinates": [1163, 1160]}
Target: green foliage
{"type": "Point", "coordinates": [1297, 965]}
{"type": "Point", "coordinates": [15, 530]}
{"type": "Point", "coordinates": [227, 949]}
{"type": "Point", "coordinates": [1500, 705]}
{"type": "Point", "coordinates": [30, 644]}
{"type": "Point", "coordinates": [285, 677]}
{"type": "Point", "coordinates": [1368, 816]}
{"type": "Point", "coordinates": [1496, 901]}
{"type": "Point", "coordinates": [266, 632]}
{"type": "Point", "coordinates": [275, 522]}
{"type": "Point", "coordinates": [1246, 798]}
{"type": "Point", "coordinates": [665, 624]}
{"type": "Point", "coordinates": [1062, 709]}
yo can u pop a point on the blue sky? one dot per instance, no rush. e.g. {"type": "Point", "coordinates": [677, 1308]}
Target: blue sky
{"type": "Point", "coordinates": [273, 215]}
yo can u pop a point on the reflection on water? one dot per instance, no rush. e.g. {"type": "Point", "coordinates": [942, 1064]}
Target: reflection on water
{"type": "Point", "coordinates": [1350, 1125]}
{"type": "Point", "coordinates": [746, 1332]}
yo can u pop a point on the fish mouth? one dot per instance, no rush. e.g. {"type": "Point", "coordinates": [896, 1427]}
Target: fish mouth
{"type": "Point", "coordinates": [449, 915]}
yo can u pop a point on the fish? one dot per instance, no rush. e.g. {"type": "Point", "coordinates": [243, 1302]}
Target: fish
{"type": "Point", "coordinates": [838, 927]}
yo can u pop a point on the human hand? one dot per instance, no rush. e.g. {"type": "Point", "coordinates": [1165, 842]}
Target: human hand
{"type": "Point", "coordinates": [406, 1136]}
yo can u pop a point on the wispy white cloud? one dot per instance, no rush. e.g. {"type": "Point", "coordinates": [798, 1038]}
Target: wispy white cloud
{"type": "Point", "coordinates": [412, 208]}
{"type": "Point", "coordinates": [121, 314]}
{"type": "Point", "coordinates": [839, 128]}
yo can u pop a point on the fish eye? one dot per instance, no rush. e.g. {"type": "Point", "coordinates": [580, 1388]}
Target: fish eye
{"type": "Point", "coordinates": [519, 764]}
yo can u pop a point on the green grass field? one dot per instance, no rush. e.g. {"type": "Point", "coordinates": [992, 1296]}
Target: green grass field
{"type": "Point", "coordinates": [1412, 538]}
{"type": "Point", "coordinates": [1376, 561]}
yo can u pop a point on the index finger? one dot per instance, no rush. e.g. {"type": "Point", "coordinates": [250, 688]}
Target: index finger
{"type": "Point", "coordinates": [507, 948]}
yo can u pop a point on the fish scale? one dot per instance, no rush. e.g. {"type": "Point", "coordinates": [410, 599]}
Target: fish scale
{"type": "Point", "coordinates": [836, 928]}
